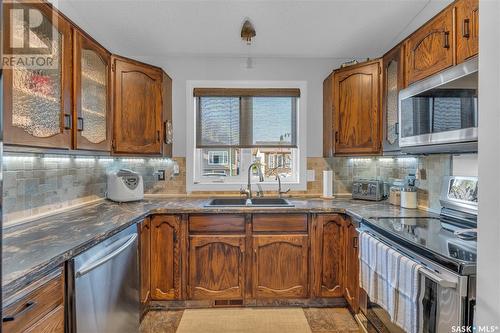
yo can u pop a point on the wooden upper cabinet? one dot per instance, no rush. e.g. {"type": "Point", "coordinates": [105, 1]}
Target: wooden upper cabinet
{"type": "Point", "coordinates": [467, 29]}
{"type": "Point", "coordinates": [280, 268]}
{"type": "Point", "coordinates": [393, 82]}
{"type": "Point", "coordinates": [145, 260]}
{"type": "Point", "coordinates": [357, 116]}
{"type": "Point", "coordinates": [216, 267]}
{"type": "Point", "coordinates": [328, 147]}
{"type": "Point", "coordinates": [92, 94]}
{"type": "Point", "coordinates": [328, 256]}
{"type": "Point", "coordinates": [138, 110]}
{"type": "Point", "coordinates": [430, 49]}
{"type": "Point", "coordinates": [37, 100]}
{"type": "Point", "coordinates": [351, 277]}
{"type": "Point", "coordinates": [165, 257]}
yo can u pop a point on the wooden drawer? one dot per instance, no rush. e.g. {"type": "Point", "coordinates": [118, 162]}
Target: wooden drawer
{"type": "Point", "coordinates": [279, 223]}
{"type": "Point", "coordinates": [35, 306]}
{"type": "Point", "coordinates": [217, 223]}
{"type": "Point", "coordinates": [51, 323]}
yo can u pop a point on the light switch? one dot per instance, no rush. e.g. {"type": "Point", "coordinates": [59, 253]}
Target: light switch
{"type": "Point", "coordinates": [311, 175]}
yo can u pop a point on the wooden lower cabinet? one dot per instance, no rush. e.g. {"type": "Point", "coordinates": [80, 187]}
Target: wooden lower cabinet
{"type": "Point", "coordinates": [280, 267]}
{"type": "Point", "coordinates": [165, 257]}
{"type": "Point", "coordinates": [328, 256]}
{"type": "Point", "coordinates": [216, 267]}
{"type": "Point", "coordinates": [145, 259]}
{"type": "Point", "coordinates": [41, 309]}
{"type": "Point", "coordinates": [351, 281]}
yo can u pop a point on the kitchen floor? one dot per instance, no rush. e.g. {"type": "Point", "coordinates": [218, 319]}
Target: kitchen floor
{"type": "Point", "coordinates": [258, 320]}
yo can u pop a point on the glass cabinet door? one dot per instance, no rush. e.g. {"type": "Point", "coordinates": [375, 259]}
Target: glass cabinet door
{"type": "Point", "coordinates": [393, 77]}
{"type": "Point", "coordinates": [91, 94]}
{"type": "Point", "coordinates": [37, 90]}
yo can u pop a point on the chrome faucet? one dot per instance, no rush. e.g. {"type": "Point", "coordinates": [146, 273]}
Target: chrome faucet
{"type": "Point", "coordinates": [248, 190]}
{"type": "Point", "coordinates": [280, 191]}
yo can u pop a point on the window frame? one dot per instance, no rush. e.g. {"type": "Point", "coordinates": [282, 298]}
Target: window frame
{"type": "Point", "coordinates": [192, 166]}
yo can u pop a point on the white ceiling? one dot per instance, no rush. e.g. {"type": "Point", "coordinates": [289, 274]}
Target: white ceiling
{"type": "Point", "coordinates": [312, 28]}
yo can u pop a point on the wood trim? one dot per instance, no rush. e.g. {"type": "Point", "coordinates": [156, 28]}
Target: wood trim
{"type": "Point", "coordinates": [247, 92]}
{"type": "Point", "coordinates": [217, 223]}
{"type": "Point", "coordinates": [288, 223]}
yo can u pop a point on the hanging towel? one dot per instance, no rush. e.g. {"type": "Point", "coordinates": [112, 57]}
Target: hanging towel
{"type": "Point", "coordinates": [406, 311]}
{"type": "Point", "coordinates": [378, 272]}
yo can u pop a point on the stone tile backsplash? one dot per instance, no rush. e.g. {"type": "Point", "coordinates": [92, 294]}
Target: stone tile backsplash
{"type": "Point", "coordinates": [35, 185]}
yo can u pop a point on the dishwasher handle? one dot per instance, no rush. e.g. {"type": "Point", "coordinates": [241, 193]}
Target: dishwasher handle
{"type": "Point", "coordinates": [96, 263]}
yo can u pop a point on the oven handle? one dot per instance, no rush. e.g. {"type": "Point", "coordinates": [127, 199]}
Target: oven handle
{"type": "Point", "coordinates": [425, 271]}
{"type": "Point", "coordinates": [438, 279]}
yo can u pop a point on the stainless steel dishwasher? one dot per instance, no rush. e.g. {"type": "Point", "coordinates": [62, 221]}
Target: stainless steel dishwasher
{"type": "Point", "coordinates": [106, 286]}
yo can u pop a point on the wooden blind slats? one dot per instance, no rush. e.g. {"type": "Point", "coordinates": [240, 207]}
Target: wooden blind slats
{"type": "Point", "coordinates": [246, 92]}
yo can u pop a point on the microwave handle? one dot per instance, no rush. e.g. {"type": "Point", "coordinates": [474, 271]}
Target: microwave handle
{"type": "Point", "coordinates": [438, 279]}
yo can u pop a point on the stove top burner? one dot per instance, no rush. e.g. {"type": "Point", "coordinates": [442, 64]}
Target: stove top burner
{"type": "Point", "coordinates": [441, 235]}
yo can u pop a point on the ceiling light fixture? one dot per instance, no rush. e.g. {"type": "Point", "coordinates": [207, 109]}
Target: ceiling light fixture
{"type": "Point", "coordinates": [247, 34]}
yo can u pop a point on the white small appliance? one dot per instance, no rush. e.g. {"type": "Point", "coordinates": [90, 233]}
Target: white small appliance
{"type": "Point", "coordinates": [125, 185]}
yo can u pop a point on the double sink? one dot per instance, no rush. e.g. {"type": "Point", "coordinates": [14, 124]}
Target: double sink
{"type": "Point", "coordinates": [254, 202]}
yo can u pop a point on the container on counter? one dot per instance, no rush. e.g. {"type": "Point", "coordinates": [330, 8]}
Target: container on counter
{"type": "Point", "coordinates": [409, 197]}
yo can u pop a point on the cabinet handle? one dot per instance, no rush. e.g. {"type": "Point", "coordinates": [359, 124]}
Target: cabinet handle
{"type": "Point", "coordinates": [355, 242]}
{"type": "Point", "coordinates": [67, 121]}
{"type": "Point", "coordinates": [79, 124]}
{"type": "Point", "coordinates": [396, 128]}
{"type": "Point", "coordinates": [465, 28]}
{"type": "Point", "coordinates": [446, 39]}
{"type": "Point", "coordinates": [336, 136]}
{"type": "Point", "coordinates": [158, 136]}
{"type": "Point", "coordinates": [27, 307]}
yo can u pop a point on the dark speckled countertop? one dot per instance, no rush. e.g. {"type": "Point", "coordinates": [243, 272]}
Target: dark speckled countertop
{"type": "Point", "coordinates": [33, 249]}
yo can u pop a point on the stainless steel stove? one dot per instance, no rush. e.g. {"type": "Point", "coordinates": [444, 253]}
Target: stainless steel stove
{"type": "Point", "coordinates": [445, 244]}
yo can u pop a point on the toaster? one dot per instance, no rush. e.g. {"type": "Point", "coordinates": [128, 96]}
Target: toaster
{"type": "Point", "coordinates": [125, 185]}
{"type": "Point", "coordinates": [368, 189]}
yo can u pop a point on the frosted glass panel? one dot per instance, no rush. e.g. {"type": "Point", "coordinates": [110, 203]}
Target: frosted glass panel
{"type": "Point", "coordinates": [94, 93]}
{"type": "Point", "coordinates": [36, 93]}
{"type": "Point", "coordinates": [392, 101]}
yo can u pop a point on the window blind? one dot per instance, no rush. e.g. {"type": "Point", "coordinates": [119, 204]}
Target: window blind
{"type": "Point", "coordinates": [246, 121]}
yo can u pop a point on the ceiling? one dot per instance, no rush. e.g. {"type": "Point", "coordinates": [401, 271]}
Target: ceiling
{"type": "Point", "coordinates": [285, 28]}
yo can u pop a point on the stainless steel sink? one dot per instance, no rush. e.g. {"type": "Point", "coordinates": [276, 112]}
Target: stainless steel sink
{"type": "Point", "coordinates": [255, 202]}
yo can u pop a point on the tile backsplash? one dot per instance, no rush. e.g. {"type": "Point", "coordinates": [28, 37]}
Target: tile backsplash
{"type": "Point", "coordinates": [35, 184]}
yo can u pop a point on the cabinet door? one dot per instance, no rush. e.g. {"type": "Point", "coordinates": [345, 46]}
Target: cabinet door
{"type": "Point", "coordinates": [37, 98]}
{"type": "Point", "coordinates": [165, 257]}
{"type": "Point", "coordinates": [393, 79]}
{"type": "Point", "coordinates": [467, 29]}
{"type": "Point", "coordinates": [168, 130]}
{"type": "Point", "coordinates": [280, 267]}
{"type": "Point", "coordinates": [138, 108]}
{"type": "Point", "coordinates": [328, 117]}
{"type": "Point", "coordinates": [356, 95]}
{"type": "Point", "coordinates": [351, 283]}
{"type": "Point", "coordinates": [216, 267]}
{"type": "Point", "coordinates": [145, 259]}
{"type": "Point", "coordinates": [51, 323]}
{"type": "Point", "coordinates": [329, 255]}
{"type": "Point", "coordinates": [430, 49]}
{"type": "Point", "coordinates": [92, 94]}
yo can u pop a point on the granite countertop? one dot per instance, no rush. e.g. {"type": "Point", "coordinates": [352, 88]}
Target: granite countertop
{"type": "Point", "coordinates": [33, 249]}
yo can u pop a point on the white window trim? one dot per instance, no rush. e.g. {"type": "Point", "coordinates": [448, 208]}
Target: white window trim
{"type": "Point", "coordinates": [300, 185]}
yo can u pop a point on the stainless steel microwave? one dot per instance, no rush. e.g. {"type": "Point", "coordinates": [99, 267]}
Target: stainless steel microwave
{"type": "Point", "coordinates": [440, 113]}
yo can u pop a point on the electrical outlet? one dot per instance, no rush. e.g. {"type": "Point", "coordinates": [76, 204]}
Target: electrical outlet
{"type": "Point", "coordinates": [176, 169]}
{"type": "Point", "coordinates": [161, 174]}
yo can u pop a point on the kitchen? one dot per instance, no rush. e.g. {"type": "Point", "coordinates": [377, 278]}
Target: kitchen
{"type": "Point", "coordinates": [167, 172]}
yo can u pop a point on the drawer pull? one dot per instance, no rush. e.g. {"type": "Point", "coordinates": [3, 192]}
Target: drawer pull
{"type": "Point", "coordinates": [446, 40]}
{"type": "Point", "coordinates": [27, 307]}
{"type": "Point", "coordinates": [465, 28]}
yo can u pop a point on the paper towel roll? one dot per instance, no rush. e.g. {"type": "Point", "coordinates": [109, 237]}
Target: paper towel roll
{"type": "Point", "coordinates": [327, 183]}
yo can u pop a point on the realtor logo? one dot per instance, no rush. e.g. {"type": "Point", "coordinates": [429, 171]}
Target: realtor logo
{"type": "Point", "coordinates": [29, 37]}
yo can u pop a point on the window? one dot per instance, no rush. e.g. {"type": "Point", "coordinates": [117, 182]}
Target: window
{"type": "Point", "coordinates": [234, 127]}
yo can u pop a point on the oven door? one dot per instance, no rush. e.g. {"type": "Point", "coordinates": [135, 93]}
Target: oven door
{"type": "Point", "coordinates": [440, 110]}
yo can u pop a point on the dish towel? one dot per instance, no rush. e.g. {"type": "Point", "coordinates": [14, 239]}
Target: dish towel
{"type": "Point", "coordinates": [391, 280]}
{"type": "Point", "coordinates": [406, 311]}
{"type": "Point", "coordinates": [378, 274]}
